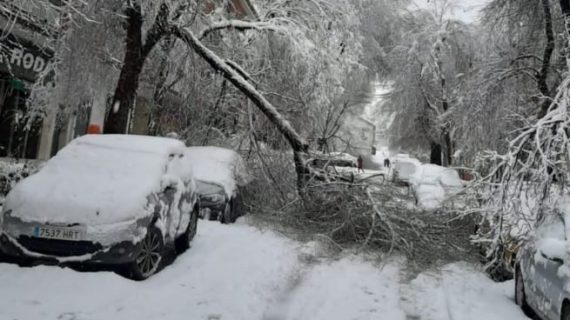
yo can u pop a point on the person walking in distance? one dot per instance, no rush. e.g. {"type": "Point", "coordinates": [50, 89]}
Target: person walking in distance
{"type": "Point", "coordinates": [387, 163]}
{"type": "Point", "coordinates": [359, 162]}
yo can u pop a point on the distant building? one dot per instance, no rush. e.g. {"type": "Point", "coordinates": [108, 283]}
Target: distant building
{"type": "Point", "coordinates": [358, 136]}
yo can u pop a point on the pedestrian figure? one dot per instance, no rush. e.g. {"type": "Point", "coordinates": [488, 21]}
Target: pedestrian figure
{"type": "Point", "coordinates": [387, 163]}
{"type": "Point", "coordinates": [359, 164]}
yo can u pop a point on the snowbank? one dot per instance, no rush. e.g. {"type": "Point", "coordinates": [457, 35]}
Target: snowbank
{"type": "Point", "coordinates": [218, 165]}
{"type": "Point", "coordinates": [94, 180]}
{"type": "Point", "coordinates": [459, 291]}
{"type": "Point", "coordinates": [433, 184]}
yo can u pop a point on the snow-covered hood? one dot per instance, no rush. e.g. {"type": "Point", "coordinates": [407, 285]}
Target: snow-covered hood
{"type": "Point", "coordinates": [95, 180]}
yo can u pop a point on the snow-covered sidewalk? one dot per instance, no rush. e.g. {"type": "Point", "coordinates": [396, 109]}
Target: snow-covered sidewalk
{"type": "Point", "coordinates": [238, 272]}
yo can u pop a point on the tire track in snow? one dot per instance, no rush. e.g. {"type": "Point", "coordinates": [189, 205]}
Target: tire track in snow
{"type": "Point", "coordinates": [279, 309]}
{"type": "Point", "coordinates": [343, 289]}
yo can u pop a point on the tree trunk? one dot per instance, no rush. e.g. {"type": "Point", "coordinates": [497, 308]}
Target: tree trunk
{"type": "Point", "coordinates": [565, 6]}
{"type": "Point", "coordinates": [298, 144]}
{"type": "Point", "coordinates": [445, 131]}
{"type": "Point", "coordinates": [448, 148]}
{"type": "Point", "coordinates": [133, 63]}
{"type": "Point", "coordinates": [435, 154]}
{"type": "Point", "coordinates": [126, 90]}
{"type": "Point", "coordinates": [542, 77]}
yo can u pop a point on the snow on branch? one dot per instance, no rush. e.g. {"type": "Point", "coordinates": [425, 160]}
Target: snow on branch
{"type": "Point", "coordinates": [527, 182]}
{"type": "Point", "coordinates": [239, 25]}
{"type": "Point", "coordinates": [298, 144]}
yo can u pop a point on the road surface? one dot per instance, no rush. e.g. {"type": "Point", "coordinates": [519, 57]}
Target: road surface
{"type": "Point", "coordinates": [239, 272]}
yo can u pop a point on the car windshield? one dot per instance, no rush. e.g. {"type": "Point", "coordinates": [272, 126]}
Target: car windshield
{"type": "Point", "coordinates": [204, 187]}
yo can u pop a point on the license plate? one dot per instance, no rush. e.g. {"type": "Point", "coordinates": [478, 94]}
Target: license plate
{"type": "Point", "coordinates": [59, 233]}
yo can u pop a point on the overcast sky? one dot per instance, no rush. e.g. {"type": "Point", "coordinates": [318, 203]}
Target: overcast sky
{"type": "Point", "coordinates": [466, 10]}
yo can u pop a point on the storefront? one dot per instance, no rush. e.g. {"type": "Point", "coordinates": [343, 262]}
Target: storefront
{"type": "Point", "coordinates": [21, 62]}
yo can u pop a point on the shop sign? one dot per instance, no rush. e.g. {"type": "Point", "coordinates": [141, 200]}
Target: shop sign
{"type": "Point", "coordinates": [22, 59]}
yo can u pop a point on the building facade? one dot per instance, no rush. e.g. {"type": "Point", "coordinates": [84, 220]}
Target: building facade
{"type": "Point", "coordinates": [25, 34]}
{"type": "Point", "coordinates": [24, 55]}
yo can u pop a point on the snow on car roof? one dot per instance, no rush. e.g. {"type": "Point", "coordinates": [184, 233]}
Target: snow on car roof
{"type": "Point", "coordinates": [95, 179]}
{"type": "Point", "coordinates": [218, 165]}
{"type": "Point", "coordinates": [132, 143]}
{"type": "Point", "coordinates": [433, 184]}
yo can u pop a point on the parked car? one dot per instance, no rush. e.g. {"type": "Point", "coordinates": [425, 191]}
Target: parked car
{"type": "Point", "coordinates": [333, 159]}
{"type": "Point", "coordinates": [404, 169]}
{"type": "Point", "coordinates": [334, 166]}
{"type": "Point", "coordinates": [220, 175]}
{"type": "Point", "coordinates": [106, 199]}
{"type": "Point", "coordinates": [542, 271]}
{"type": "Point", "coordinates": [433, 184]}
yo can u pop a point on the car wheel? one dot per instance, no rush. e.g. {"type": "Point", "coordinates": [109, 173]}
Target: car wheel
{"type": "Point", "coordinates": [183, 242]}
{"type": "Point", "coordinates": [520, 295]}
{"type": "Point", "coordinates": [227, 213]}
{"type": "Point", "coordinates": [150, 255]}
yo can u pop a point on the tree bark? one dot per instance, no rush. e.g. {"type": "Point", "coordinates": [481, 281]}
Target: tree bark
{"type": "Point", "coordinates": [445, 130]}
{"type": "Point", "coordinates": [435, 154]}
{"type": "Point", "coordinates": [298, 144]}
{"type": "Point", "coordinates": [542, 77]}
{"type": "Point", "coordinates": [565, 7]}
{"type": "Point", "coordinates": [448, 147]}
{"type": "Point", "coordinates": [135, 56]}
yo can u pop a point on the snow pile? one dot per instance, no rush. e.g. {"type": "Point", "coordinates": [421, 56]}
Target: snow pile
{"type": "Point", "coordinates": [459, 291]}
{"type": "Point", "coordinates": [433, 184]}
{"type": "Point", "coordinates": [218, 165]}
{"type": "Point", "coordinates": [95, 179]}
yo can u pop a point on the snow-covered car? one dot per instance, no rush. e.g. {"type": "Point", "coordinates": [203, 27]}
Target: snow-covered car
{"type": "Point", "coordinates": [220, 173]}
{"type": "Point", "coordinates": [433, 184]}
{"type": "Point", "coordinates": [542, 272]}
{"type": "Point", "coordinates": [404, 169]}
{"type": "Point", "coordinates": [333, 166]}
{"type": "Point", "coordinates": [333, 159]}
{"type": "Point", "coordinates": [108, 199]}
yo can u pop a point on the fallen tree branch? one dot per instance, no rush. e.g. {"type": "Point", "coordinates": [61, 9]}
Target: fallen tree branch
{"type": "Point", "coordinates": [297, 143]}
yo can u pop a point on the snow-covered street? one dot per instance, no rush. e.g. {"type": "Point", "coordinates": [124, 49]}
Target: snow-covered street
{"type": "Point", "coordinates": [239, 272]}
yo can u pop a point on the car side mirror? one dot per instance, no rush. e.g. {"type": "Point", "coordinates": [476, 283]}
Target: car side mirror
{"type": "Point", "coordinates": [171, 188]}
{"type": "Point", "coordinates": [553, 250]}
{"type": "Point", "coordinates": [169, 185]}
